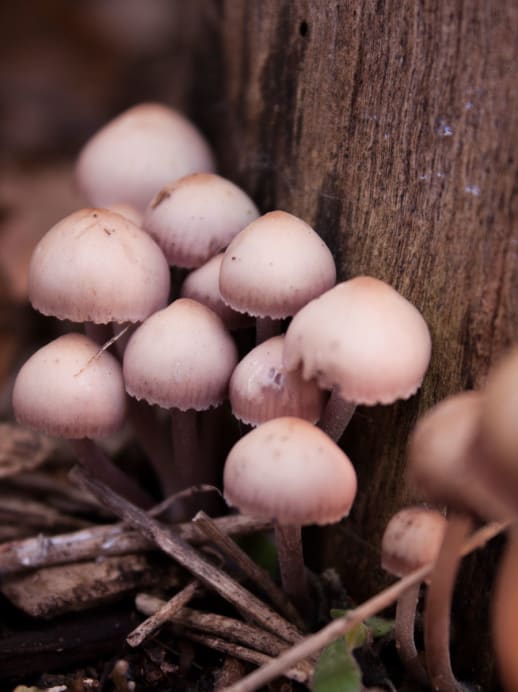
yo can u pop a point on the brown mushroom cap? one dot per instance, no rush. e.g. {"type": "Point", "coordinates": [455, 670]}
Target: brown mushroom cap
{"type": "Point", "coordinates": [411, 540]}
{"type": "Point", "coordinates": [363, 338]}
{"type": "Point", "coordinates": [275, 266]}
{"type": "Point", "coordinates": [261, 389]}
{"type": "Point", "coordinates": [70, 389]}
{"type": "Point", "coordinates": [97, 266]}
{"type": "Point", "coordinates": [440, 448]}
{"type": "Point", "coordinates": [139, 152]}
{"type": "Point", "coordinates": [202, 285]}
{"type": "Point", "coordinates": [289, 470]}
{"type": "Point", "coordinates": [194, 218]}
{"type": "Point", "coordinates": [499, 419]}
{"type": "Point", "coordinates": [180, 357]}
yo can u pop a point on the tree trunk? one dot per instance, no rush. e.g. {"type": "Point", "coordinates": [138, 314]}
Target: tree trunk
{"type": "Point", "coordinates": [391, 128]}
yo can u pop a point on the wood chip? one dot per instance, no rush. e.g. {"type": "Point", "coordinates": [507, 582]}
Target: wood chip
{"type": "Point", "coordinates": [22, 449]}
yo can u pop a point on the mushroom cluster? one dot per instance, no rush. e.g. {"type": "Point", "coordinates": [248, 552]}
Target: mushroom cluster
{"type": "Point", "coordinates": [462, 458]}
{"type": "Point", "coordinates": [157, 203]}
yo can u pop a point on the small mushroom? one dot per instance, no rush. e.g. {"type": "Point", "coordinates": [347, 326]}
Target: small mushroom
{"type": "Point", "coordinates": [196, 217]}
{"type": "Point", "coordinates": [139, 152]}
{"type": "Point", "coordinates": [273, 267]}
{"type": "Point", "coordinates": [71, 389]}
{"type": "Point", "coordinates": [290, 471]}
{"type": "Point", "coordinates": [504, 615]}
{"type": "Point", "coordinates": [411, 540]}
{"type": "Point", "coordinates": [363, 341]}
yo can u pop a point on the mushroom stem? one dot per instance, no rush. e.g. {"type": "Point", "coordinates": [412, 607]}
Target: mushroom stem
{"type": "Point", "coordinates": [265, 328]}
{"type": "Point", "coordinates": [405, 641]}
{"type": "Point", "coordinates": [185, 446]}
{"type": "Point", "coordinates": [93, 459]}
{"type": "Point", "coordinates": [438, 605]}
{"type": "Point", "coordinates": [100, 333]}
{"type": "Point", "coordinates": [291, 563]}
{"type": "Point", "coordinates": [336, 416]}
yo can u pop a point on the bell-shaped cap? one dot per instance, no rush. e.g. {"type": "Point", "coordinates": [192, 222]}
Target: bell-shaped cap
{"type": "Point", "coordinates": [261, 389]}
{"type": "Point", "coordinates": [196, 217]}
{"type": "Point", "coordinates": [97, 266]}
{"type": "Point", "coordinates": [362, 338]}
{"type": "Point", "coordinates": [202, 285]}
{"type": "Point", "coordinates": [290, 471]}
{"type": "Point", "coordinates": [71, 389]}
{"type": "Point", "coordinates": [137, 153]}
{"type": "Point", "coordinates": [181, 357]}
{"type": "Point", "coordinates": [275, 266]}
{"type": "Point", "coordinates": [411, 540]}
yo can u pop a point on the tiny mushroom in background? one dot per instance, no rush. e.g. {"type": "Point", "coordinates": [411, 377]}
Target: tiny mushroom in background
{"type": "Point", "coordinates": [71, 389]}
{"type": "Point", "coordinates": [290, 471]}
{"type": "Point", "coordinates": [411, 540]}
{"type": "Point", "coordinates": [362, 340]}
{"type": "Point", "coordinates": [139, 152]}
{"type": "Point", "coordinates": [181, 358]}
{"type": "Point", "coordinates": [261, 389]}
{"type": "Point", "coordinates": [505, 615]}
{"type": "Point", "coordinates": [273, 267]}
{"type": "Point", "coordinates": [194, 218]}
{"type": "Point", "coordinates": [202, 285]}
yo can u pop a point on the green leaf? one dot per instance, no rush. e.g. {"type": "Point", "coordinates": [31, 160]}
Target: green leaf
{"type": "Point", "coordinates": [377, 627]}
{"type": "Point", "coordinates": [336, 670]}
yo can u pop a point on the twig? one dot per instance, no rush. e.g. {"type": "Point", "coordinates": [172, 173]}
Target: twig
{"type": "Point", "coordinates": [115, 539]}
{"type": "Point", "coordinates": [315, 642]}
{"type": "Point", "coordinates": [190, 558]}
{"type": "Point", "coordinates": [298, 674]}
{"type": "Point", "coordinates": [248, 567]}
{"type": "Point", "coordinates": [163, 614]}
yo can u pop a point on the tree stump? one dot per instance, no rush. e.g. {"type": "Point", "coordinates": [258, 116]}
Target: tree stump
{"type": "Point", "coordinates": [391, 129]}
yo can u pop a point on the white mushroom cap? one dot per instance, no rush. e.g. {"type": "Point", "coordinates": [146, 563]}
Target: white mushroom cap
{"type": "Point", "coordinates": [196, 217]}
{"type": "Point", "coordinates": [181, 357]}
{"type": "Point", "coordinates": [202, 285]}
{"type": "Point", "coordinates": [363, 338]}
{"type": "Point", "coordinates": [275, 266]}
{"type": "Point", "coordinates": [97, 266]}
{"type": "Point", "coordinates": [290, 471]}
{"type": "Point", "coordinates": [128, 211]}
{"type": "Point", "coordinates": [139, 152]}
{"type": "Point", "coordinates": [261, 389]}
{"type": "Point", "coordinates": [70, 389]}
{"type": "Point", "coordinates": [411, 540]}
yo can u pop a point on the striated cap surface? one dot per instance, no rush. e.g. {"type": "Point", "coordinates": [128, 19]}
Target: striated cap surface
{"type": "Point", "coordinates": [97, 266]}
{"type": "Point", "coordinates": [290, 471]}
{"type": "Point", "coordinates": [196, 217]}
{"type": "Point", "coordinates": [202, 285]}
{"type": "Point", "coordinates": [261, 389]}
{"type": "Point", "coordinates": [411, 540]}
{"type": "Point", "coordinates": [275, 266]}
{"type": "Point", "coordinates": [137, 153]}
{"type": "Point", "coordinates": [70, 389]}
{"type": "Point", "coordinates": [363, 338]}
{"type": "Point", "coordinates": [181, 357]}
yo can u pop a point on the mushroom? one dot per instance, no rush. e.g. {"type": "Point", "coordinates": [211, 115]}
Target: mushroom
{"type": "Point", "coordinates": [71, 389]}
{"type": "Point", "coordinates": [137, 153]}
{"type": "Point", "coordinates": [194, 218]}
{"type": "Point", "coordinates": [202, 285]}
{"type": "Point", "coordinates": [181, 358]}
{"type": "Point", "coordinates": [273, 267]}
{"type": "Point", "coordinates": [290, 471]}
{"type": "Point", "coordinates": [261, 389]}
{"type": "Point", "coordinates": [362, 340]}
{"type": "Point", "coordinates": [411, 540]}
{"type": "Point", "coordinates": [504, 615]}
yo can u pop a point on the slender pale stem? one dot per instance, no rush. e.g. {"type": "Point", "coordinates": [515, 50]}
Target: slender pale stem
{"type": "Point", "coordinates": [186, 447]}
{"type": "Point", "coordinates": [405, 640]}
{"type": "Point", "coordinates": [265, 328]}
{"type": "Point", "coordinates": [100, 333]}
{"type": "Point", "coordinates": [94, 460]}
{"type": "Point", "coordinates": [438, 605]}
{"type": "Point", "coordinates": [291, 563]}
{"type": "Point", "coordinates": [337, 414]}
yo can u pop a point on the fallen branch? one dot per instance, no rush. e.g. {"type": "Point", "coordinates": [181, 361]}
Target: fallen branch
{"type": "Point", "coordinates": [316, 642]}
{"type": "Point", "coordinates": [105, 541]}
{"type": "Point", "coordinates": [190, 558]}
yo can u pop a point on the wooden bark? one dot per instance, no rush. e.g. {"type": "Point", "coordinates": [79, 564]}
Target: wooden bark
{"type": "Point", "coordinates": [391, 128]}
